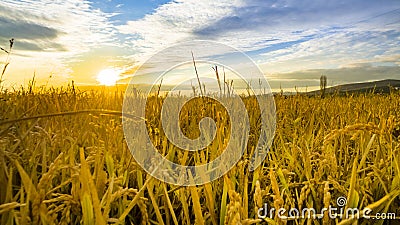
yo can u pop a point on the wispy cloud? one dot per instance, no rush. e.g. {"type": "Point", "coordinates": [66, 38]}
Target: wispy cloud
{"type": "Point", "coordinates": [174, 22]}
{"type": "Point", "coordinates": [70, 23]}
{"type": "Point", "coordinates": [334, 50]}
{"type": "Point", "coordinates": [279, 30]}
{"type": "Point", "coordinates": [254, 24]}
{"type": "Point", "coordinates": [48, 33]}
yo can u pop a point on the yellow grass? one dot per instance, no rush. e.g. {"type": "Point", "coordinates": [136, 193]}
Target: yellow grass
{"type": "Point", "coordinates": [71, 168]}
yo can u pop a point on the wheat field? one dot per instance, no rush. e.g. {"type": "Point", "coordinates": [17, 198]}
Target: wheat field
{"type": "Point", "coordinates": [75, 167]}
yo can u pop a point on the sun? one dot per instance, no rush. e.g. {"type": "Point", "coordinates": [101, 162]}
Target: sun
{"type": "Point", "coordinates": [108, 77]}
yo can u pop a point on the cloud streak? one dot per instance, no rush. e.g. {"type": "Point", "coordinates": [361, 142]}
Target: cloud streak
{"type": "Point", "coordinates": [49, 33]}
{"type": "Point", "coordinates": [174, 22]}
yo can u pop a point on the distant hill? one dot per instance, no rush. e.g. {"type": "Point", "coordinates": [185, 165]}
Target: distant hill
{"type": "Point", "coordinates": [382, 86]}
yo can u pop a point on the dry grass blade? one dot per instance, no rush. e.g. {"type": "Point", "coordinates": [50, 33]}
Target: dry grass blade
{"type": "Point", "coordinates": [197, 75]}
{"type": "Point", "coordinates": [171, 208]}
{"type": "Point", "coordinates": [90, 196]}
{"type": "Point", "coordinates": [134, 201]}
{"type": "Point", "coordinates": [10, 206]}
{"type": "Point", "coordinates": [160, 219]}
{"type": "Point", "coordinates": [39, 210]}
{"type": "Point", "coordinates": [87, 111]}
{"type": "Point", "coordinates": [196, 202]}
{"type": "Point", "coordinates": [4, 71]}
{"type": "Point", "coordinates": [4, 50]}
{"type": "Point", "coordinates": [87, 210]}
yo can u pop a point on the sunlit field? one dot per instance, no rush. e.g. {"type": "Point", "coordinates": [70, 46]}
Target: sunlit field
{"type": "Point", "coordinates": [72, 165]}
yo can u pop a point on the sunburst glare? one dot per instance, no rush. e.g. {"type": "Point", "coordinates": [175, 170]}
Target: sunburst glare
{"type": "Point", "coordinates": [108, 77]}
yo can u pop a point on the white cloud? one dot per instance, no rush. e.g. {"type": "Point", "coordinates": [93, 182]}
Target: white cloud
{"type": "Point", "coordinates": [285, 36]}
{"type": "Point", "coordinates": [47, 33]}
{"type": "Point", "coordinates": [335, 50]}
{"type": "Point", "coordinates": [174, 22]}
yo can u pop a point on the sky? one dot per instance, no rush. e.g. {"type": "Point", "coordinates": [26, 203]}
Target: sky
{"type": "Point", "coordinates": [292, 42]}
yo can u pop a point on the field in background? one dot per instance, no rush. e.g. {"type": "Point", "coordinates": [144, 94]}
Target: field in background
{"type": "Point", "coordinates": [77, 168]}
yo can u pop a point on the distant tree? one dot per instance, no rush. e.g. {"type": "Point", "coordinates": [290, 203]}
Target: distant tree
{"type": "Point", "coordinates": [323, 81]}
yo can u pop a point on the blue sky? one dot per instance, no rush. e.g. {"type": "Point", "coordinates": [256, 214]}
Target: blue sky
{"type": "Point", "coordinates": [128, 10]}
{"type": "Point", "coordinates": [293, 42]}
